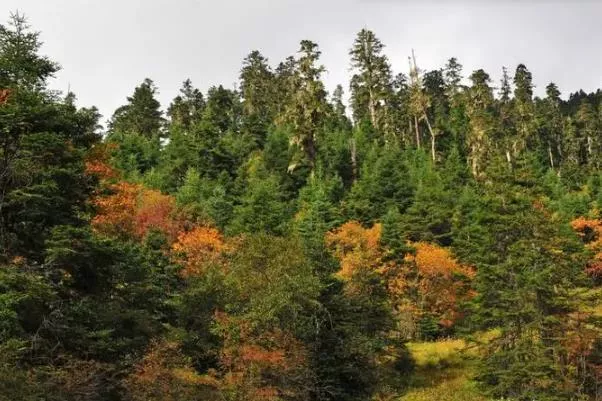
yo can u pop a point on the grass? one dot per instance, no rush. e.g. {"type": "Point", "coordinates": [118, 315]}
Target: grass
{"type": "Point", "coordinates": [444, 371]}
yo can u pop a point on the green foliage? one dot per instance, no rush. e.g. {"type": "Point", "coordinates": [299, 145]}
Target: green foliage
{"type": "Point", "coordinates": [276, 165]}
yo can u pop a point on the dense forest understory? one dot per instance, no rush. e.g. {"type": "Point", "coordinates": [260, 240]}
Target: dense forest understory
{"type": "Point", "coordinates": [439, 238]}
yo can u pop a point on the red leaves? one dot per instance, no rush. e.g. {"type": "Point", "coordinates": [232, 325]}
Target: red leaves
{"type": "Point", "coordinates": [97, 162]}
{"type": "Point", "coordinates": [260, 365]}
{"type": "Point", "coordinates": [4, 95]}
{"type": "Point", "coordinates": [132, 211]}
{"type": "Point", "coordinates": [165, 374]}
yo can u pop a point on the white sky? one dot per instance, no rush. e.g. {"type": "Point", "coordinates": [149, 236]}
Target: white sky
{"type": "Point", "coordinates": [107, 47]}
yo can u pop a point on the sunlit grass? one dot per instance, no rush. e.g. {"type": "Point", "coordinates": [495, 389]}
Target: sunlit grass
{"type": "Point", "coordinates": [456, 387]}
{"type": "Point", "coordinates": [445, 368]}
{"type": "Point", "coordinates": [439, 353]}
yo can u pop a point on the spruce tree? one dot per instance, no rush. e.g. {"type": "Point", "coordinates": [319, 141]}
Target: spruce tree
{"type": "Point", "coordinates": [371, 83]}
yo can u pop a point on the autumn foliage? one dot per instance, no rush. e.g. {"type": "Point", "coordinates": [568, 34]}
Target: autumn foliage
{"type": "Point", "coordinates": [356, 248]}
{"type": "Point", "coordinates": [261, 365]}
{"type": "Point", "coordinates": [590, 230]}
{"type": "Point", "coordinates": [4, 95]}
{"type": "Point", "coordinates": [198, 248]}
{"type": "Point", "coordinates": [442, 282]}
{"type": "Point", "coordinates": [165, 374]}
{"type": "Point", "coordinates": [131, 211]}
{"type": "Point", "coordinates": [97, 162]}
{"type": "Point", "coordinates": [430, 282]}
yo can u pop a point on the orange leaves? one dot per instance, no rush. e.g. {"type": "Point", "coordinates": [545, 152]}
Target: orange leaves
{"type": "Point", "coordinates": [116, 212]}
{"type": "Point", "coordinates": [198, 248]}
{"type": "Point", "coordinates": [164, 374]}
{"type": "Point", "coordinates": [442, 282]}
{"type": "Point", "coordinates": [97, 162]}
{"type": "Point", "coordinates": [590, 230]}
{"type": "Point", "coordinates": [156, 211]}
{"type": "Point", "coordinates": [132, 211]}
{"type": "Point", "coordinates": [435, 261]}
{"type": "Point", "coordinates": [429, 282]}
{"type": "Point", "coordinates": [260, 365]}
{"type": "Point", "coordinates": [356, 247]}
{"type": "Point", "coordinates": [4, 95]}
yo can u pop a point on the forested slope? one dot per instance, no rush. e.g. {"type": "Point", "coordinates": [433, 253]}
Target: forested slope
{"type": "Point", "coordinates": [438, 237]}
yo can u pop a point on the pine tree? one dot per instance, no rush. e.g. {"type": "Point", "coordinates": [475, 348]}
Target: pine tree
{"type": "Point", "coordinates": [551, 126]}
{"type": "Point", "coordinates": [186, 108]}
{"type": "Point", "coordinates": [519, 254]}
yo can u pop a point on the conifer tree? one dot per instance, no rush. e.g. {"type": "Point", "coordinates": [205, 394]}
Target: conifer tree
{"type": "Point", "coordinates": [481, 121]}
{"type": "Point", "coordinates": [142, 114]}
{"type": "Point", "coordinates": [524, 113]}
{"type": "Point", "coordinates": [186, 108]}
{"type": "Point", "coordinates": [257, 88]}
{"type": "Point", "coordinates": [371, 86]}
{"type": "Point", "coordinates": [306, 110]}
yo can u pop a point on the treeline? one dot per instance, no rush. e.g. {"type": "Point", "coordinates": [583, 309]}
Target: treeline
{"type": "Point", "coordinates": [265, 243]}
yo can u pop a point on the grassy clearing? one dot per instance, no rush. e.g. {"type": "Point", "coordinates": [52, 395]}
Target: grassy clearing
{"type": "Point", "coordinates": [444, 371]}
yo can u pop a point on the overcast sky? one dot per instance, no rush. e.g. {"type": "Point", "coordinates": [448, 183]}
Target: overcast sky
{"type": "Point", "coordinates": [107, 47]}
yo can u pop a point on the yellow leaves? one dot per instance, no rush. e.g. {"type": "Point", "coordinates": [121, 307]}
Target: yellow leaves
{"type": "Point", "coordinates": [356, 248]}
{"type": "Point", "coordinates": [198, 248]}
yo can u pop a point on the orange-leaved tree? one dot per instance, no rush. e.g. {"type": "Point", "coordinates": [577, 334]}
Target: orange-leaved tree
{"type": "Point", "coordinates": [357, 248]}
{"type": "Point", "coordinates": [590, 231]}
{"type": "Point", "coordinates": [199, 248]}
{"type": "Point", "coordinates": [441, 283]}
{"type": "Point", "coordinates": [260, 364]}
{"type": "Point", "coordinates": [132, 211]}
{"type": "Point", "coordinates": [166, 374]}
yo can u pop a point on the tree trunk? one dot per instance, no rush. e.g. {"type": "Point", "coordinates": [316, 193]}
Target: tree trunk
{"type": "Point", "coordinates": [353, 160]}
{"type": "Point", "coordinates": [417, 132]}
{"type": "Point", "coordinates": [433, 138]}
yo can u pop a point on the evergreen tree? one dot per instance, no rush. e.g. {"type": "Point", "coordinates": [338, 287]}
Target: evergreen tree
{"type": "Point", "coordinates": [481, 121]}
{"type": "Point", "coordinates": [142, 114]}
{"type": "Point", "coordinates": [257, 88]}
{"type": "Point", "coordinates": [305, 113]}
{"type": "Point", "coordinates": [371, 86]}
{"type": "Point", "coordinates": [186, 108]}
{"type": "Point", "coordinates": [523, 110]}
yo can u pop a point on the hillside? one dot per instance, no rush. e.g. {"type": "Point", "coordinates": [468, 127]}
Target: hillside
{"type": "Point", "coordinates": [434, 238]}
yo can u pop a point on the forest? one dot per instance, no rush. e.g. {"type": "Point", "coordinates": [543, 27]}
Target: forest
{"type": "Point", "coordinates": [419, 235]}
